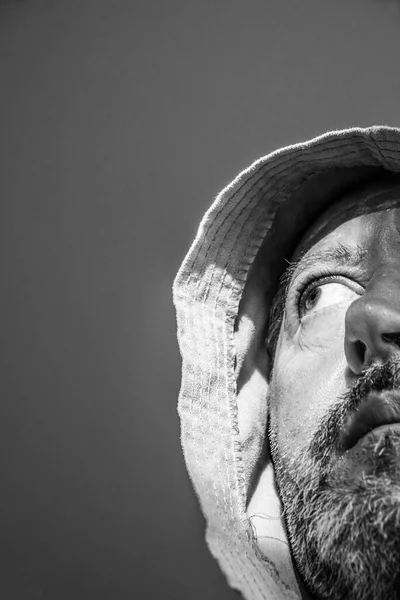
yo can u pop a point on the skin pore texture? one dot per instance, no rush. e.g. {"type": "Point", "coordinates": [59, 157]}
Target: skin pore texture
{"type": "Point", "coordinates": [334, 387]}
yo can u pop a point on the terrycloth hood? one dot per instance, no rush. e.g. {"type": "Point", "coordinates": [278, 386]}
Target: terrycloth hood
{"type": "Point", "coordinates": [222, 294]}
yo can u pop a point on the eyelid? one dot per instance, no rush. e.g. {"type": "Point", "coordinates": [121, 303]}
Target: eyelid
{"type": "Point", "coordinates": [318, 278]}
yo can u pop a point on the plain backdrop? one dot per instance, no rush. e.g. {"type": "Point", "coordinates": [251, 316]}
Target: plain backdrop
{"type": "Point", "coordinates": [120, 121]}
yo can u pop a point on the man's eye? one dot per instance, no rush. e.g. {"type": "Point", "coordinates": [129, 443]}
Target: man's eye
{"type": "Point", "coordinates": [316, 297]}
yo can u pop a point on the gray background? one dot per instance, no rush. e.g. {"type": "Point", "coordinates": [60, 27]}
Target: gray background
{"type": "Point", "coordinates": [119, 123]}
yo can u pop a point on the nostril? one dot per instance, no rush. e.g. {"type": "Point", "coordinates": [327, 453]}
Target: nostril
{"type": "Point", "coordinates": [360, 349]}
{"type": "Point", "coordinates": [392, 338]}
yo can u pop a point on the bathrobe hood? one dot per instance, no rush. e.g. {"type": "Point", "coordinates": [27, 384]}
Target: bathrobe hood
{"type": "Point", "coordinates": [222, 294]}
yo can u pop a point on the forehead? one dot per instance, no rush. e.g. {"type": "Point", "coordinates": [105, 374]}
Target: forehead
{"type": "Point", "coordinates": [368, 219]}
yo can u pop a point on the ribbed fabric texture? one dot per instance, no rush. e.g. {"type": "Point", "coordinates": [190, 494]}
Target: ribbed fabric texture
{"type": "Point", "coordinates": [207, 291]}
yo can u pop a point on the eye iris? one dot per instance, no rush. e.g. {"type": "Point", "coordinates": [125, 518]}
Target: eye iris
{"type": "Point", "coordinates": [312, 298]}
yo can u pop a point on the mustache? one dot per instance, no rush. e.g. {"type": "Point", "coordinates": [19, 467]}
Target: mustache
{"type": "Point", "coordinates": [378, 378]}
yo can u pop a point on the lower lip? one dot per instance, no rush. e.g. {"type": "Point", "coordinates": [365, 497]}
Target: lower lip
{"type": "Point", "coordinates": [373, 436]}
{"type": "Point", "coordinates": [361, 458]}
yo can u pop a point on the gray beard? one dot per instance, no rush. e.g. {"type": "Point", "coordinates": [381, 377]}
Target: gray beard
{"type": "Point", "coordinates": [343, 518]}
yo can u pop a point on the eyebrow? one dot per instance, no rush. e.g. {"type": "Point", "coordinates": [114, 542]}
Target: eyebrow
{"type": "Point", "coordinates": [339, 255]}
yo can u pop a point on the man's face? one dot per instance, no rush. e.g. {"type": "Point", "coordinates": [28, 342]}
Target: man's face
{"type": "Point", "coordinates": [335, 380]}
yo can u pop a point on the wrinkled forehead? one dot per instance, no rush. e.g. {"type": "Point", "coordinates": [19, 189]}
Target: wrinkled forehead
{"type": "Point", "coordinates": [373, 198]}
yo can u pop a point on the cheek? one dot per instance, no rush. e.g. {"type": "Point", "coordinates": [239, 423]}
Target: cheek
{"type": "Point", "coordinates": [308, 377]}
{"type": "Point", "coordinates": [322, 331]}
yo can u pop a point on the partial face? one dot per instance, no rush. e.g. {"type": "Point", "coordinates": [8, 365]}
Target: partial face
{"type": "Point", "coordinates": [335, 402]}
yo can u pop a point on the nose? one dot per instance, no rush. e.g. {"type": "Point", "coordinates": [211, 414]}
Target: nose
{"type": "Point", "coordinates": [372, 325]}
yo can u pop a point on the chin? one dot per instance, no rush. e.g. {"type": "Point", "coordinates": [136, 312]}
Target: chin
{"type": "Point", "coordinates": [344, 522]}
